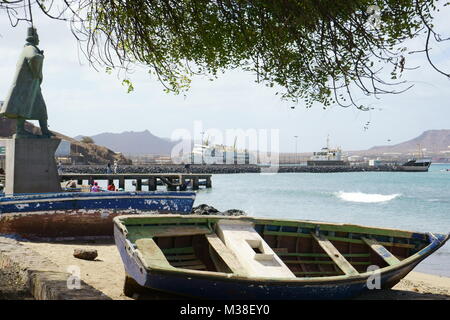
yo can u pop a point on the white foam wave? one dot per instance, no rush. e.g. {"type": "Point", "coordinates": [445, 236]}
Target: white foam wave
{"type": "Point", "coordinates": [365, 197]}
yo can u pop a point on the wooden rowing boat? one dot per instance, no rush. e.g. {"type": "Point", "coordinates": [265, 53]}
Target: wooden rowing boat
{"type": "Point", "coordinates": [220, 257]}
{"type": "Point", "coordinates": [82, 214]}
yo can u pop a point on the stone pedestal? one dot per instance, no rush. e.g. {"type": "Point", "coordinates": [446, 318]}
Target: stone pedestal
{"type": "Point", "coordinates": [31, 166]}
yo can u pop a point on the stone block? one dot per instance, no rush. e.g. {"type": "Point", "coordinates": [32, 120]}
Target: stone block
{"type": "Point", "coordinates": [31, 166]}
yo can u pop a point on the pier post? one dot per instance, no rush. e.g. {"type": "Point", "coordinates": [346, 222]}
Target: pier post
{"type": "Point", "coordinates": [171, 187]}
{"type": "Point", "coordinates": [122, 183]}
{"type": "Point", "coordinates": [183, 184]}
{"type": "Point", "coordinates": [152, 184]}
{"type": "Point", "coordinates": [110, 181]}
{"type": "Point", "coordinates": [138, 184]}
{"type": "Point", "coordinates": [80, 182]}
{"type": "Point", "coordinates": [195, 183]}
{"type": "Point", "coordinates": [208, 182]}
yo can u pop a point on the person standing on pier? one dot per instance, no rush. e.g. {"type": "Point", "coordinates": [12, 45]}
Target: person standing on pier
{"type": "Point", "coordinates": [115, 166]}
{"type": "Point", "coordinates": [108, 168]}
{"type": "Point", "coordinates": [95, 187]}
{"type": "Point", "coordinates": [112, 187]}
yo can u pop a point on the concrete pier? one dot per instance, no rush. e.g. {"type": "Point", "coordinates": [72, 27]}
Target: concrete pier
{"type": "Point", "coordinates": [172, 181]}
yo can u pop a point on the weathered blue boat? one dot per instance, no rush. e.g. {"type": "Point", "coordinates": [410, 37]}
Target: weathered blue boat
{"type": "Point", "coordinates": [70, 214]}
{"type": "Point", "coordinates": [216, 257]}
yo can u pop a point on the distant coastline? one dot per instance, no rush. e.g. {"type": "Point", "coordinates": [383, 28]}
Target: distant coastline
{"type": "Point", "coordinates": [222, 169]}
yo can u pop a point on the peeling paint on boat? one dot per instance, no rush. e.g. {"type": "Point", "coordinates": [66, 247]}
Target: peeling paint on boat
{"type": "Point", "coordinates": [83, 214]}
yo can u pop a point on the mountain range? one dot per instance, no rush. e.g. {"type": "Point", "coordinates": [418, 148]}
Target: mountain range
{"type": "Point", "coordinates": [431, 141]}
{"type": "Point", "coordinates": [140, 143]}
{"type": "Point", "coordinates": [134, 143]}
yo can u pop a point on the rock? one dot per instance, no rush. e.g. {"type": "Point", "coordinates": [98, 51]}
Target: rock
{"type": "Point", "coordinates": [233, 212]}
{"type": "Point", "coordinates": [204, 209]}
{"type": "Point", "coordinates": [85, 254]}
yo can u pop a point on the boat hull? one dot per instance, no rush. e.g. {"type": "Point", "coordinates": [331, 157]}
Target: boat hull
{"type": "Point", "coordinates": [232, 289]}
{"type": "Point", "coordinates": [414, 168]}
{"type": "Point", "coordinates": [211, 286]}
{"type": "Point", "coordinates": [83, 214]}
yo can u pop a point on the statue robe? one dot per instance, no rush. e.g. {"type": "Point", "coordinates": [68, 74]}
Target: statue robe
{"type": "Point", "coordinates": [24, 100]}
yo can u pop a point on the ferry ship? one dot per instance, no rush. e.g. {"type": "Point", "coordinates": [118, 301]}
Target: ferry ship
{"type": "Point", "coordinates": [216, 154]}
{"type": "Point", "coordinates": [327, 157]}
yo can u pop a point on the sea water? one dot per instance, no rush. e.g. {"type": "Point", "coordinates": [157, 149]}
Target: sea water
{"type": "Point", "coordinates": [401, 200]}
{"type": "Point", "coordinates": [412, 201]}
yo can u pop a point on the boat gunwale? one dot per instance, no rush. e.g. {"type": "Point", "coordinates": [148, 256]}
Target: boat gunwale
{"type": "Point", "coordinates": [104, 194]}
{"type": "Point", "coordinates": [108, 197]}
{"type": "Point", "coordinates": [433, 238]}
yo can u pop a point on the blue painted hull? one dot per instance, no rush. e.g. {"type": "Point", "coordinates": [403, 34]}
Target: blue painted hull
{"type": "Point", "coordinates": [221, 288]}
{"type": "Point", "coordinates": [136, 202]}
{"type": "Point", "coordinates": [67, 214]}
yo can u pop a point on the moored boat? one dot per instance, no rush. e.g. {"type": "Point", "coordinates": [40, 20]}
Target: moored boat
{"type": "Point", "coordinates": [90, 214]}
{"type": "Point", "coordinates": [218, 257]}
{"type": "Point", "coordinates": [416, 165]}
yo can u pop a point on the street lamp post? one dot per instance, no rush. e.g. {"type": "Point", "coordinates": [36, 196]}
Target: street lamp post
{"type": "Point", "coordinates": [203, 151]}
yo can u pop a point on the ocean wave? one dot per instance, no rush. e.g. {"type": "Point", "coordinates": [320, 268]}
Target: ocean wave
{"type": "Point", "coordinates": [365, 197]}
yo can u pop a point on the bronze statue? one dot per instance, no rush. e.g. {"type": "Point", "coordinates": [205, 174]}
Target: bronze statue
{"type": "Point", "coordinates": [24, 100]}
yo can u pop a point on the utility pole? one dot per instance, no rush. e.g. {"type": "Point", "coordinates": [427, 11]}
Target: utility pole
{"type": "Point", "coordinates": [203, 151]}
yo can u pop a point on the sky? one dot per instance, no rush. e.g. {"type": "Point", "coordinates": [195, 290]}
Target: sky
{"type": "Point", "coordinates": [83, 101]}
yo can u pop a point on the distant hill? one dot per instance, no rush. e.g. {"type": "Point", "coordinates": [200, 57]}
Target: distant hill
{"type": "Point", "coordinates": [92, 153]}
{"type": "Point", "coordinates": [431, 140]}
{"type": "Point", "coordinates": [134, 143]}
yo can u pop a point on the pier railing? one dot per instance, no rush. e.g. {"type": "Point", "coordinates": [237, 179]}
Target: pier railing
{"type": "Point", "coordinates": [173, 181]}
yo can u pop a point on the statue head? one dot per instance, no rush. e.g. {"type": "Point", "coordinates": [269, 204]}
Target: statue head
{"type": "Point", "coordinates": [32, 36]}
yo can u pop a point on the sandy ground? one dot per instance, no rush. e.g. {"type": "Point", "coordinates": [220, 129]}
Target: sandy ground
{"type": "Point", "coordinates": [107, 274]}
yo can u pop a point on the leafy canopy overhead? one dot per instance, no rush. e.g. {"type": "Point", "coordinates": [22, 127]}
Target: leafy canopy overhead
{"type": "Point", "coordinates": [315, 50]}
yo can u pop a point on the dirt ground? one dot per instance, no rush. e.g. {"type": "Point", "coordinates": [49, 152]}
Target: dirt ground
{"type": "Point", "coordinates": [107, 274]}
{"type": "Point", "coordinates": [10, 289]}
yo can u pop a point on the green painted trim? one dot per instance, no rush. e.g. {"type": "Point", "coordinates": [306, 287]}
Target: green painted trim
{"type": "Point", "coordinates": [317, 272]}
{"type": "Point", "coordinates": [338, 228]}
{"type": "Point", "coordinates": [183, 257]}
{"type": "Point", "coordinates": [304, 235]}
{"type": "Point", "coordinates": [322, 262]}
{"type": "Point", "coordinates": [324, 255]}
{"type": "Point", "coordinates": [178, 250]}
{"type": "Point", "coordinates": [302, 224]}
{"type": "Point", "coordinates": [136, 222]}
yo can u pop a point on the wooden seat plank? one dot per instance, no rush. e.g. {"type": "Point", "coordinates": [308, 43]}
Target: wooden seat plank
{"type": "Point", "coordinates": [384, 253]}
{"type": "Point", "coordinates": [335, 255]}
{"type": "Point", "coordinates": [152, 254]}
{"type": "Point", "coordinates": [225, 253]}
